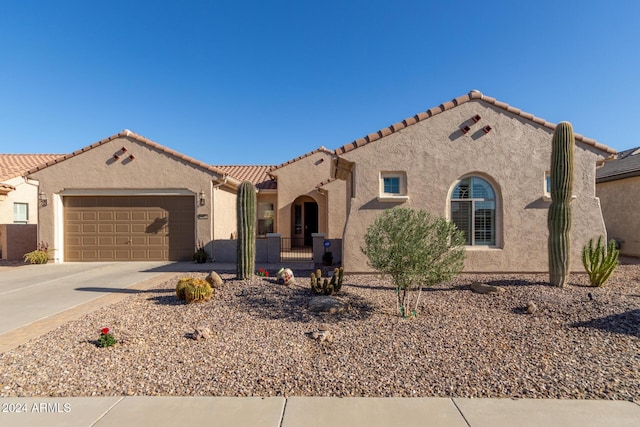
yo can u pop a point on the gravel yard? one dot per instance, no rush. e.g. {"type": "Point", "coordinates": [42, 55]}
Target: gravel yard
{"type": "Point", "coordinates": [462, 344]}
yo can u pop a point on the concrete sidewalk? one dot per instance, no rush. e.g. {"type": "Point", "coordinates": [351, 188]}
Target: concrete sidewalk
{"type": "Point", "coordinates": [314, 412]}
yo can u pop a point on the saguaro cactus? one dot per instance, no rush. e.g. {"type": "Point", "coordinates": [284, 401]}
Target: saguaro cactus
{"type": "Point", "coordinates": [559, 216]}
{"type": "Point", "coordinates": [246, 216]}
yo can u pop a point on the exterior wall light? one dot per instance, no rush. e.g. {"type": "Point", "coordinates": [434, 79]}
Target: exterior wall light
{"type": "Point", "coordinates": [42, 199]}
{"type": "Point", "coordinates": [201, 198]}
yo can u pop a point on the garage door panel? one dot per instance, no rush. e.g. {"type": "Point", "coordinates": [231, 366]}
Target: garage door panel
{"type": "Point", "coordinates": [89, 240]}
{"type": "Point", "coordinates": [139, 216]}
{"type": "Point", "coordinates": [105, 216]}
{"type": "Point", "coordinates": [122, 228]}
{"type": "Point", "coordinates": [89, 228]}
{"type": "Point", "coordinates": [139, 228]}
{"type": "Point", "coordinates": [156, 241]}
{"type": "Point", "coordinates": [106, 228]}
{"type": "Point", "coordinates": [128, 228]}
{"type": "Point", "coordinates": [106, 241]}
{"type": "Point", "coordinates": [123, 216]}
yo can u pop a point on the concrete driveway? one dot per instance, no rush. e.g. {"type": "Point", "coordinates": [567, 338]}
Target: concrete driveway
{"type": "Point", "coordinates": [34, 292]}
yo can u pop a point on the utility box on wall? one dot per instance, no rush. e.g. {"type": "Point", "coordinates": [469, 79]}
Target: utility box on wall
{"type": "Point", "coordinates": [17, 239]}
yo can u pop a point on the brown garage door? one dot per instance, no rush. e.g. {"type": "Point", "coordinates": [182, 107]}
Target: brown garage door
{"type": "Point", "coordinates": [135, 228]}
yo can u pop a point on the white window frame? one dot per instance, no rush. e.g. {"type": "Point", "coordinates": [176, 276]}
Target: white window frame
{"type": "Point", "coordinates": [473, 201]}
{"type": "Point", "coordinates": [26, 213]}
{"type": "Point", "coordinates": [546, 186]}
{"type": "Point", "coordinates": [401, 196]}
{"type": "Point", "coordinates": [546, 195]}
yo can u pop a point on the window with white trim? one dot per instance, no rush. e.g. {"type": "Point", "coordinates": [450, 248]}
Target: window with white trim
{"type": "Point", "coordinates": [547, 185]}
{"type": "Point", "coordinates": [393, 187]}
{"type": "Point", "coordinates": [473, 210]}
{"type": "Point", "coordinates": [20, 213]}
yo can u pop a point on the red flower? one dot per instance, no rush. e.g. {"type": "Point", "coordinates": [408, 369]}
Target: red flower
{"type": "Point", "coordinates": [104, 331]}
{"type": "Point", "coordinates": [266, 273]}
{"type": "Point", "coordinates": [261, 270]}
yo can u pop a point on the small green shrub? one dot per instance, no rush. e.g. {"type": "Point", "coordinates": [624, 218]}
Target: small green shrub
{"type": "Point", "coordinates": [600, 262]}
{"type": "Point", "coordinates": [416, 249]}
{"type": "Point", "coordinates": [39, 256]}
{"type": "Point", "coordinates": [326, 286]}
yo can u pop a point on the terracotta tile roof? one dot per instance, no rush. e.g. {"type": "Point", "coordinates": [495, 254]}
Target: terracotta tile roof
{"type": "Point", "coordinates": [6, 188]}
{"type": "Point", "coordinates": [474, 94]}
{"type": "Point", "coordinates": [132, 135]}
{"type": "Point", "coordinates": [257, 175]}
{"type": "Point", "coordinates": [317, 150]}
{"type": "Point", "coordinates": [13, 165]}
{"type": "Point", "coordinates": [625, 164]}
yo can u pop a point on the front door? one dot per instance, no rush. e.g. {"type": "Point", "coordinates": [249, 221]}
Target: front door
{"type": "Point", "coordinates": [310, 222]}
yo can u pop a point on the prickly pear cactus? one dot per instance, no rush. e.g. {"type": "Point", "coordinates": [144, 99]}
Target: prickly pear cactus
{"type": "Point", "coordinates": [559, 216]}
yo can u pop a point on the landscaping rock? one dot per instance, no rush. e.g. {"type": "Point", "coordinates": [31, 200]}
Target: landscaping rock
{"type": "Point", "coordinates": [327, 304]}
{"type": "Point", "coordinates": [322, 334]}
{"type": "Point", "coordinates": [483, 288]}
{"type": "Point", "coordinates": [214, 280]}
{"type": "Point", "coordinates": [531, 307]}
{"type": "Point", "coordinates": [202, 332]}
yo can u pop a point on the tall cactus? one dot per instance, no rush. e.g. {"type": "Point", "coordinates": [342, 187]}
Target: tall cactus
{"type": "Point", "coordinates": [559, 216]}
{"type": "Point", "coordinates": [246, 216]}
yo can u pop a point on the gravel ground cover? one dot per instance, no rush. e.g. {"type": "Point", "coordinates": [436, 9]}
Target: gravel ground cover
{"type": "Point", "coordinates": [462, 344]}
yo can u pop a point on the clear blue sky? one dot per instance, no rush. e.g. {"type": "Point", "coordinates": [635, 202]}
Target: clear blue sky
{"type": "Point", "coordinates": [262, 82]}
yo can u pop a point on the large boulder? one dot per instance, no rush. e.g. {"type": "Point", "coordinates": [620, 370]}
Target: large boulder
{"type": "Point", "coordinates": [327, 304]}
{"type": "Point", "coordinates": [483, 288]}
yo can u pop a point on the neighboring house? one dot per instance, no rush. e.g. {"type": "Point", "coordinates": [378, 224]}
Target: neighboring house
{"type": "Point", "coordinates": [618, 187]}
{"type": "Point", "coordinates": [126, 198]}
{"type": "Point", "coordinates": [18, 204]}
{"type": "Point", "coordinates": [477, 161]}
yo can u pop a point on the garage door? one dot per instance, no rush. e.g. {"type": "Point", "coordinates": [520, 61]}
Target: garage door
{"type": "Point", "coordinates": [132, 228]}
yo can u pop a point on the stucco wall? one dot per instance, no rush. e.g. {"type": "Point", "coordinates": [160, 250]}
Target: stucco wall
{"type": "Point", "coordinates": [301, 178]}
{"type": "Point", "coordinates": [97, 172]}
{"type": "Point", "coordinates": [620, 202]}
{"type": "Point", "coordinates": [513, 157]}
{"type": "Point", "coordinates": [224, 213]}
{"type": "Point", "coordinates": [24, 193]}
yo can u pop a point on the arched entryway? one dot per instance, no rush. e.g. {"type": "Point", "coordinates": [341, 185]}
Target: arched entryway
{"type": "Point", "coordinates": [304, 215]}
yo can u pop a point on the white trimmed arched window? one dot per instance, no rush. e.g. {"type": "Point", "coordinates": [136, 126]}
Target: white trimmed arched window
{"type": "Point", "coordinates": [473, 210]}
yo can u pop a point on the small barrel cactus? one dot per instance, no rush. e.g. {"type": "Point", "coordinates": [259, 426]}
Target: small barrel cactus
{"type": "Point", "coordinates": [193, 290]}
{"type": "Point", "coordinates": [198, 290]}
{"type": "Point", "coordinates": [181, 286]}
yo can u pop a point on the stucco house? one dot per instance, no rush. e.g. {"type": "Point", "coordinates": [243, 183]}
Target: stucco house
{"type": "Point", "coordinates": [480, 163]}
{"type": "Point", "coordinates": [475, 160]}
{"type": "Point", "coordinates": [18, 204]}
{"type": "Point", "coordinates": [618, 187]}
{"type": "Point", "coordinates": [126, 198]}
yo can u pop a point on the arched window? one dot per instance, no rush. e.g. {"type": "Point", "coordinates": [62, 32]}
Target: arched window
{"type": "Point", "coordinates": [473, 210]}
